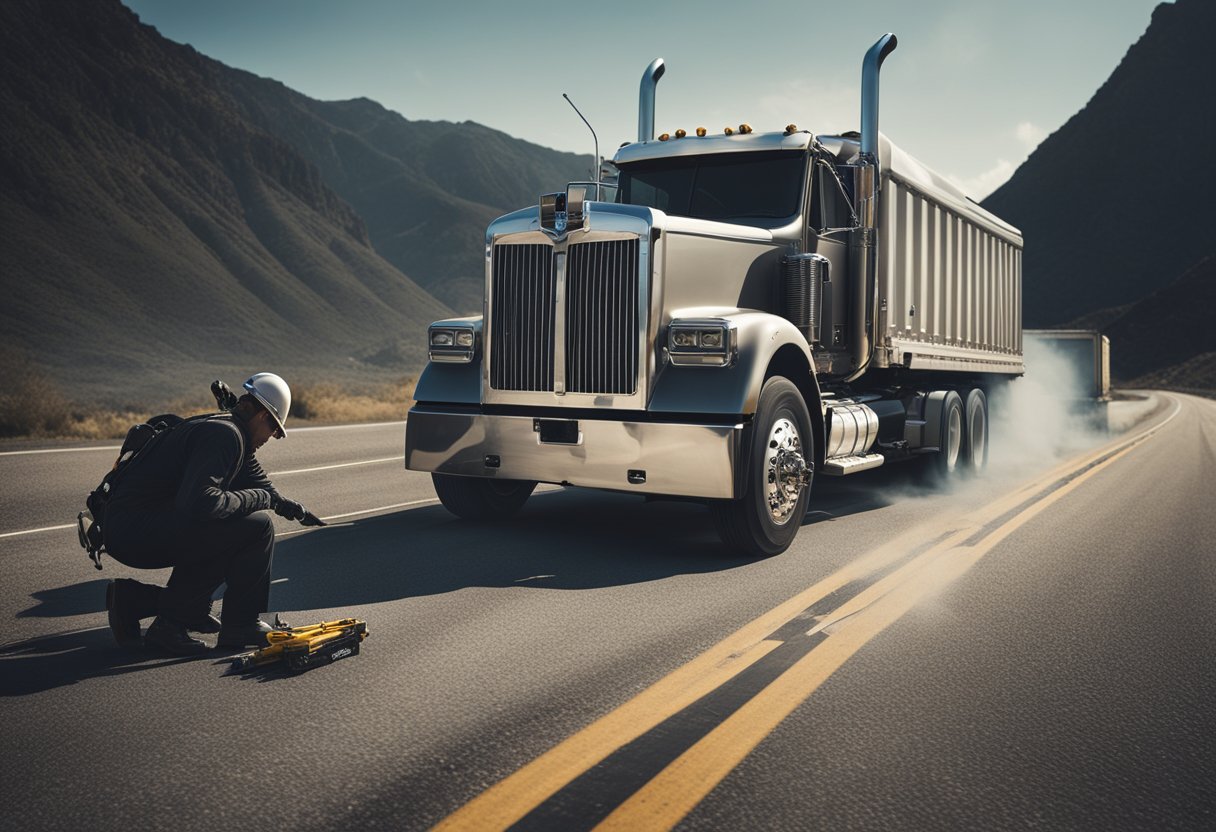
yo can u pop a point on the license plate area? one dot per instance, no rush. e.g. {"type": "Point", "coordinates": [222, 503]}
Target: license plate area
{"type": "Point", "coordinates": [557, 431]}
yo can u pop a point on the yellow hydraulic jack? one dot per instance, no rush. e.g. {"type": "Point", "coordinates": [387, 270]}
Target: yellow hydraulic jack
{"type": "Point", "coordinates": [303, 647]}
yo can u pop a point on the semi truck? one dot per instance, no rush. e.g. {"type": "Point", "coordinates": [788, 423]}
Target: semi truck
{"type": "Point", "coordinates": [748, 311]}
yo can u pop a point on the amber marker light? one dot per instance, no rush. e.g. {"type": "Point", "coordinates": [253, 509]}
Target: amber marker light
{"type": "Point", "coordinates": [680, 133]}
{"type": "Point", "coordinates": [728, 131]}
{"type": "Point", "coordinates": [664, 137]}
{"type": "Point", "coordinates": [744, 129]}
{"type": "Point", "coordinates": [700, 131]}
{"type": "Point", "coordinates": [790, 129]}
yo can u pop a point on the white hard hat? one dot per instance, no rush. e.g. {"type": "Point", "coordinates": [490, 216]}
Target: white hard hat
{"type": "Point", "coordinates": [274, 394]}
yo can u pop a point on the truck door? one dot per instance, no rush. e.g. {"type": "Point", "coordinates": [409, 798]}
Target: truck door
{"type": "Point", "coordinates": [827, 234]}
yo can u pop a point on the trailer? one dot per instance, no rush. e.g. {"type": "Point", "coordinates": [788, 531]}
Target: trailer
{"type": "Point", "coordinates": [1075, 365]}
{"type": "Point", "coordinates": [1083, 354]}
{"type": "Point", "coordinates": [750, 310]}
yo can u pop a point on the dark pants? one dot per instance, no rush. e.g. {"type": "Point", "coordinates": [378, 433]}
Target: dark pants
{"type": "Point", "coordinates": [203, 555]}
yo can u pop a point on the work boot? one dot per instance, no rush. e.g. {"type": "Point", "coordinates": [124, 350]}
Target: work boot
{"type": "Point", "coordinates": [122, 611]}
{"type": "Point", "coordinates": [171, 636]}
{"type": "Point", "coordinates": [204, 622]}
{"type": "Point", "coordinates": [128, 601]}
{"type": "Point", "coordinates": [251, 634]}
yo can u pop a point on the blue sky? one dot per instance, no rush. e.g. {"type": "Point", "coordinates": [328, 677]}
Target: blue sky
{"type": "Point", "coordinates": [972, 88]}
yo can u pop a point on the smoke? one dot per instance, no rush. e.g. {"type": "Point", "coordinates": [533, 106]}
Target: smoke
{"type": "Point", "coordinates": [1044, 416]}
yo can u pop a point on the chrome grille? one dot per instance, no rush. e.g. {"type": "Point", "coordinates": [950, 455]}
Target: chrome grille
{"type": "Point", "coordinates": [521, 321]}
{"type": "Point", "coordinates": [602, 317]}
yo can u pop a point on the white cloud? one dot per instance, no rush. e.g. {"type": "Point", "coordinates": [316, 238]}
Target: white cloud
{"type": "Point", "coordinates": [1030, 135]}
{"type": "Point", "coordinates": [978, 187]}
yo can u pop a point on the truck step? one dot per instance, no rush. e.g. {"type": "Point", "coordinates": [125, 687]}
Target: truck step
{"type": "Point", "coordinates": [842, 465]}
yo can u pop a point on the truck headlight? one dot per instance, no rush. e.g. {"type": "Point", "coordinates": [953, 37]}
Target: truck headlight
{"type": "Point", "coordinates": [702, 343]}
{"type": "Point", "coordinates": [451, 343]}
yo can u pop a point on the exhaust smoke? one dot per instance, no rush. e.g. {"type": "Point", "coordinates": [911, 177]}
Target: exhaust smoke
{"type": "Point", "coordinates": [1044, 416]}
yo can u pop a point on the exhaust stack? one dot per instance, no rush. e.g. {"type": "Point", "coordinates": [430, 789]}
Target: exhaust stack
{"type": "Point", "coordinates": [863, 239]}
{"type": "Point", "coordinates": [650, 80]}
{"type": "Point", "coordinates": [869, 92]}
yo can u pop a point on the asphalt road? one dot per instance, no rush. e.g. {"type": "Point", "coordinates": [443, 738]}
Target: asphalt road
{"type": "Point", "coordinates": [1033, 649]}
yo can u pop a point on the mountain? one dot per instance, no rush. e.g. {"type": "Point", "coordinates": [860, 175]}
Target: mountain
{"type": "Point", "coordinates": [153, 235]}
{"type": "Point", "coordinates": [1117, 203]}
{"type": "Point", "coordinates": [1167, 329]}
{"type": "Point", "coordinates": [427, 190]}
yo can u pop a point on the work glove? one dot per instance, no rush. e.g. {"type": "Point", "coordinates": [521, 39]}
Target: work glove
{"type": "Point", "coordinates": [310, 519]}
{"type": "Point", "coordinates": [288, 509]}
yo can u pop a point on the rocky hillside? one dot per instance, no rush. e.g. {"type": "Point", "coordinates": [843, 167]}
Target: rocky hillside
{"type": "Point", "coordinates": [153, 234]}
{"type": "Point", "coordinates": [1169, 328]}
{"type": "Point", "coordinates": [427, 190]}
{"type": "Point", "coordinates": [1117, 203]}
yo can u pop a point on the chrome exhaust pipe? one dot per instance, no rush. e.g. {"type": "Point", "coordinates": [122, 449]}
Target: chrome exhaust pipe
{"type": "Point", "coordinates": [864, 238]}
{"type": "Point", "coordinates": [869, 92]}
{"type": "Point", "coordinates": [650, 80]}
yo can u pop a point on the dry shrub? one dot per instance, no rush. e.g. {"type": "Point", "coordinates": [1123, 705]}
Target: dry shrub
{"type": "Point", "coordinates": [336, 404]}
{"type": "Point", "coordinates": [30, 403]}
{"type": "Point", "coordinates": [32, 406]}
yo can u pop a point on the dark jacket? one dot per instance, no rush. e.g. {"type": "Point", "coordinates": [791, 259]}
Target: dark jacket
{"type": "Point", "coordinates": [190, 471]}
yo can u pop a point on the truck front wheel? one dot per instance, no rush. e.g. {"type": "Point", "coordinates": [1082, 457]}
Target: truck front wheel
{"type": "Point", "coordinates": [780, 466]}
{"type": "Point", "coordinates": [478, 498]}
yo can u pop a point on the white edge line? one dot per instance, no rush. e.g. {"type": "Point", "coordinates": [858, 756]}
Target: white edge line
{"type": "Point", "coordinates": [555, 489]}
{"type": "Point", "coordinates": [117, 447]}
{"type": "Point", "coordinates": [399, 458]}
{"type": "Point", "coordinates": [280, 534]}
{"type": "Point", "coordinates": [43, 529]}
{"type": "Point", "coordinates": [364, 511]}
{"type": "Point", "coordinates": [347, 427]}
{"type": "Point", "coordinates": [62, 450]}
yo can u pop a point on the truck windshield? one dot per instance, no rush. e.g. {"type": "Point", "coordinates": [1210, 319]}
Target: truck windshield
{"type": "Point", "coordinates": [761, 189]}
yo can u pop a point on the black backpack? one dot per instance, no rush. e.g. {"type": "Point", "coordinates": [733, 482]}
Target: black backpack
{"type": "Point", "coordinates": [139, 441]}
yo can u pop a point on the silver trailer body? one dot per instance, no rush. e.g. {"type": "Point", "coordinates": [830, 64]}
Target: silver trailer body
{"type": "Point", "coordinates": [949, 275]}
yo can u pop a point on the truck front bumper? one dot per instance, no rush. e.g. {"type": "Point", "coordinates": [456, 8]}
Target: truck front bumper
{"type": "Point", "coordinates": [686, 460]}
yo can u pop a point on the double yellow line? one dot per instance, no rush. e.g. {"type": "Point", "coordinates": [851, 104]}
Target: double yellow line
{"type": "Point", "coordinates": [956, 545]}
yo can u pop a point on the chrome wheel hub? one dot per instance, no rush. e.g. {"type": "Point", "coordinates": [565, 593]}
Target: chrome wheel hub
{"type": "Point", "coordinates": [786, 472]}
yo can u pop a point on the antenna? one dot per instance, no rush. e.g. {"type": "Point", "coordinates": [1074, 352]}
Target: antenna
{"type": "Point", "coordinates": [598, 194]}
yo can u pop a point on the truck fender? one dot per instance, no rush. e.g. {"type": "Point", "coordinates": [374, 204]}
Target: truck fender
{"type": "Point", "coordinates": [767, 345]}
{"type": "Point", "coordinates": [451, 383]}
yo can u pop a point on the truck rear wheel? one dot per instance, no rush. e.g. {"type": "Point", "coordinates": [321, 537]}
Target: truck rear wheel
{"type": "Point", "coordinates": [780, 465]}
{"type": "Point", "coordinates": [950, 437]}
{"type": "Point", "coordinates": [478, 498]}
{"type": "Point", "coordinates": [975, 433]}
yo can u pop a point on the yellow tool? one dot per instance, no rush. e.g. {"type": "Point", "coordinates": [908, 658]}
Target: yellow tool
{"type": "Point", "coordinates": [303, 647]}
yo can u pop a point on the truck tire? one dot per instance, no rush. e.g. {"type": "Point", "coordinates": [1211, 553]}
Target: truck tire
{"type": "Point", "coordinates": [947, 461]}
{"type": "Point", "coordinates": [974, 456]}
{"type": "Point", "coordinates": [779, 467]}
{"type": "Point", "coordinates": [479, 498]}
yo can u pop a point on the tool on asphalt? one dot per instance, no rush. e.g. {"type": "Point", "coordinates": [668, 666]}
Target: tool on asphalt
{"type": "Point", "coordinates": [310, 519]}
{"type": "Point", "coordinates": [301, 648]}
